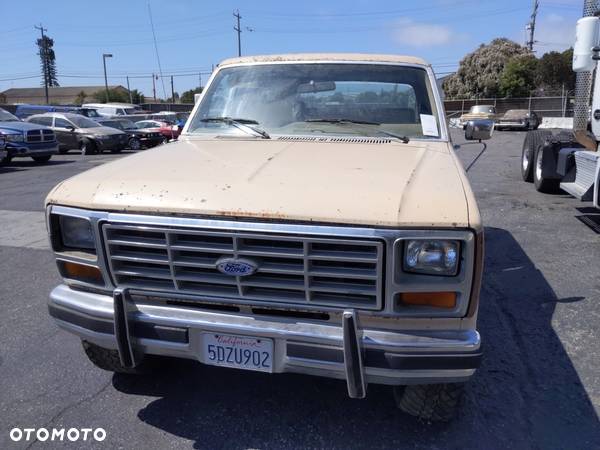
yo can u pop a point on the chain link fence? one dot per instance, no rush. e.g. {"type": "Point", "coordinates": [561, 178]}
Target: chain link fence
{"type": "Point", "coordinates": [560, 106]}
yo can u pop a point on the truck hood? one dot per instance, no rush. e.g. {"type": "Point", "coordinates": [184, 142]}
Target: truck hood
{"type": "Point", "coordinates": [380, 184]}
{"type": "Point", "coordinates": [8, 127]}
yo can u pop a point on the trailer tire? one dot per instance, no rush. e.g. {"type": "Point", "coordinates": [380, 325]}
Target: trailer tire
{"type": "Point", "coordinates": [433, 402]}
{"type": "Point", "coordinates": [542, 184]}
{"type": "Point", "coordinates": [107, 359]}
{"type": "Point", "coordinates": [533, 140]}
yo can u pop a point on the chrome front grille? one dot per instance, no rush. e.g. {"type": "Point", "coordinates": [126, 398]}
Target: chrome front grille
{"type": "Point", "coordinates": [40, 136]}
{"type": "Point", "coordinates": [34, 136]}
{"type": "Point", "coordinates": [301, 270]}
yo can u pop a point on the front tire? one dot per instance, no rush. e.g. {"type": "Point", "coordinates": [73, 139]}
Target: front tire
{"type": "Point", "coordinates": [433, 402]}
{"type": "Point", "coordinates": [41, 159]}
{"type": "Point", "coordinates": [533, 140]}
{"type": "Point", "coordinates": [5, 161]}
{"type": "Point", "coordinates": [107, 359]}
{"type": "Point", "coordinates": [135, 144]}
{"type": "Point", "coordinates": [87, 147]}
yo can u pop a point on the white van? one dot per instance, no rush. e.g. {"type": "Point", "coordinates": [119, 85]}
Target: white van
{"type": "Point", "coordinates": [114, 109]}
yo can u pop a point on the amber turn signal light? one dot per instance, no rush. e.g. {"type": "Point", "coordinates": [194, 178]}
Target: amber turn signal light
{"type": "Point", "coordinates": [80, 272]}
{"type": "Point", "coordinates": [435, 299]}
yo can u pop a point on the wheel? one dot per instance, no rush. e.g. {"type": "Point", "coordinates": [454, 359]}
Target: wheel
{"type": "Point", "coordinates": [134, 144]}
{"type": "Point", "coordinates": [546, 185]}
{"type": "Point", "coordinates": [434, 402]}
{"type": "Point", "coordinates": [41, 159]}
{"type": "Point", "coordinates": [165, 140]}
{"type": "Point", "coordinates": [5, 161]}
{"type": "Point", "coordinates": [87, 147]}
{"type": "Point", "coordinates": [533, 139]}
{"type": "Point", "coordinates": [107, 359]}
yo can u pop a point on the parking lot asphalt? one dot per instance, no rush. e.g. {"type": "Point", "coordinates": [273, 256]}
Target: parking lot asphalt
{"type": "Point", "coordinates": [538, 387]}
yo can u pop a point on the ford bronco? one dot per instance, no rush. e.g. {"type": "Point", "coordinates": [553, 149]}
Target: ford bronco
{"type": "Point", "coordinates": [312, 218]}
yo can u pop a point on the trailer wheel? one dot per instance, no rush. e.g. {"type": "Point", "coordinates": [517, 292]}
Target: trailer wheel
{"type": "Point", "coordinates": [542, 184]}
{"type": "Point", "coordinates": [533, 140]}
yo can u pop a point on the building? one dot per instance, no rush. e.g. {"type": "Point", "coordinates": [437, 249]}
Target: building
{"type": "Point", "coordinates": [67, 95]}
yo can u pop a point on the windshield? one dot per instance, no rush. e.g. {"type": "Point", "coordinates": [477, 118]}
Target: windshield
{"type": "Point", "coordinates": [321, 99]}
{"type": "Point", "coordinates": [483, 109]}
{"type": "Point", "coordinates": [130, 110]}
{"type": "Point", "coordinates": [83, 122]}
{"type": "Point", "coordinates": [91, 113]}
{"type": "Point", "coordinates": [5, 116]}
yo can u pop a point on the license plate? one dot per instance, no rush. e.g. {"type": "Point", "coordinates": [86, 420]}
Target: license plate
{"type": "Point", "coordinates": [240, 352]}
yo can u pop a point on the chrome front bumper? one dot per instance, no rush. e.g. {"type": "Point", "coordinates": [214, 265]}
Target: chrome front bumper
{"type": "Point", "coordinates": [322, 348]}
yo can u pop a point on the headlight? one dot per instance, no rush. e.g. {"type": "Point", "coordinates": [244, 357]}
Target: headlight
{"type": "Point", "coordinates": [433, 257]}
{"type": "Point", "coordinates": [77, 233]}
{"type": "Point", "coordinates": [14, 137]}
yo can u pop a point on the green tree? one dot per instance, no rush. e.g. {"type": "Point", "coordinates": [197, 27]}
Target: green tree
{"type": "Point", "coordinates": [518, 78]}
{"type": "Point", "coordinates": [47, 60]}
{"type": "Point", "coordinates": [479, 72]}
{"type": "Point", "coordinates": [554, 71]}
{"type": "Point", "coordinates": [80, 99]}
{"type": "Point", "coordinates": [188, 96]}
{"type": "Point", "coordinates": [119, 95]}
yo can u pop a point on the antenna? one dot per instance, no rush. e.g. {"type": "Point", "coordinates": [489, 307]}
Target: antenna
{"type": "Point", "coordinates": [157, 56]}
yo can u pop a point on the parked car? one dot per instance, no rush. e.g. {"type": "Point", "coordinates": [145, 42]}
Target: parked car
{"type": "Point", "coordinates": [178, 118]}
{"type": "Point", "coordinates": [75, 131]}
{"type": "Point", "coordinates": [24, 111]}
{"type": "Point", "coordinates": [26, 139]}
{"type": "Point", "coordinates": [138, 137]}
{"type": "Point", "coordinates": [114, 109]}
{"type": "Point", "coordinates": [3, 151]}
{"type": "Point", "coordinates": [168, 130]}
{"type": "Point", "coordinates": [521, 119]}
{"type": "Point", "coordinates": [92, 113]}
{"type": "Point", "coordinates": [333, 238]}
{"type": "Point", "coordinates": [479, 112]}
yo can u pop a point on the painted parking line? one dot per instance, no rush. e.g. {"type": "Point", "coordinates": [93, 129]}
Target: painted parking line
{"type": "Point", "coordinates": [23, 229]}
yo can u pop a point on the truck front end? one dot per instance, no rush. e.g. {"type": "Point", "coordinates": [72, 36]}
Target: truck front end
{"type": "Point", "coordinates": [279, 236]}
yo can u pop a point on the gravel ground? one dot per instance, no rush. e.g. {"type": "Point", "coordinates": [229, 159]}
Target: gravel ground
{"type": "Point", "coordinates": [538, 387]}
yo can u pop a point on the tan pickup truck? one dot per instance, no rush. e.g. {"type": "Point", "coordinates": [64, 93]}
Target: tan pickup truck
{"type": "Point", "coordinates": [312, 218]}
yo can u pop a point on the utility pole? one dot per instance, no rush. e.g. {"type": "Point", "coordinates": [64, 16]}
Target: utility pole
{"type": "Point", "coordinates": [200, 79]}
{"type": "Point", "coordinates": [104, 56]}
{"type": "Point", "coordinates": [531, 25]}
{"type": "Point", "coordinates": [153, 88]}
{"type": "Point", "coordinates": [172, 91]}
{"type": "Point", "coordinates": [129, 90]}
{"type": "Point", "coordinates": [236, 14]}
{"type": "Point", "coordinates": [44, 59]}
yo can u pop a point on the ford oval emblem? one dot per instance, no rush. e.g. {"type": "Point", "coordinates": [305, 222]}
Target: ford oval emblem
{"type": "Point", "coordinates": [236, 267]}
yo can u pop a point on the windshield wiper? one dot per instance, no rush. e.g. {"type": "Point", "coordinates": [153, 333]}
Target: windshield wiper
{"type": "Point", "coordinates": [359, 122]}
{"type": "Point", "coordinates": [403, 139]}
{"type": "Point", "coordinates": [241, 124]}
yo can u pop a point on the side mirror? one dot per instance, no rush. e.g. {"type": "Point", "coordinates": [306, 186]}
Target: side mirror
{"type": "Point", "coordinates": [71, 129]}
{"type": "Point", "coordinates": [586, 41]}
{"type": "Point", "coordinates": [479, 130]}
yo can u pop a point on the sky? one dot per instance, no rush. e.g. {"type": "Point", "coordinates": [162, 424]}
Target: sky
{"type": "Point", "coordinates": [194, 35]}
